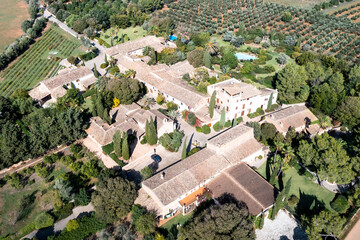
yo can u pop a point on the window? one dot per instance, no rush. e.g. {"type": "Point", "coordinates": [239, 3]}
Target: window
{"type": "Point", "coordinates": [236, 108]}
{"type": "Point", "coordinates": [221, 102]}
{"type": "Point", "coordinates": [249, 110]}
{"type": "Point", "coordinates": [244, 106]}
{"type": "Point", "coordinates": [228, 100]}
{"type": "Point", "coordinates": [227, 109]}
{"type": "Point", "coordinates": [247, 99]}
{"type": "Point", "coordinates": [237, 100]}
{"type": "Point", "coordinates": [181, 103]}
{"type": "Point", "coordinates": [217, 100]}
{"type": "Point", "coordinates": [266, 99]}
{"type": "Point", "coordinates": [250, 103]}
{"type": "Point", "coordinates": [242, 113]}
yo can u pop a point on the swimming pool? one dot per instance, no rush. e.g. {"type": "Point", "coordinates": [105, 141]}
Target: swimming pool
{"type": "Point", "coordinates": [172, 37]}
{"type": "Point", "coordinates": [244, 57]}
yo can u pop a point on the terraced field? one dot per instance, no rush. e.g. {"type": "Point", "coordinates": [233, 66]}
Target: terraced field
{"type": "Point", "coordinates": [37, 62]}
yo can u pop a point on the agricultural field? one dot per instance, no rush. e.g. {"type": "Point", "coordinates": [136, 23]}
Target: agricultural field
{"type": "Point", "coordinates": [12, 13]}
{"type": "Point", "coordinates": [37, 62]}
{"type": "Point", "coordinates": [122, 35]}
{"type": "Point", "coordinates": [322, 32]}
{"type": "Point", "coordinates": [351, 12]}
{"type": "Point", "coordinates": [303, 4]}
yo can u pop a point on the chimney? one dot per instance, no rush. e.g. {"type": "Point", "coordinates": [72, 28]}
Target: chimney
{"type": "Point", "coordinates": [162, 175]}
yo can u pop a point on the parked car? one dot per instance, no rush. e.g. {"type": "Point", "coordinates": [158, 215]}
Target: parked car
{"type": "Point", "coordinates": [156, 158]}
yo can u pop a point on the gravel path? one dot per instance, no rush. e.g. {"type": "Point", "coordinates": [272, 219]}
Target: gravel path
{"type": "Point", "coordinates": [283, 227]}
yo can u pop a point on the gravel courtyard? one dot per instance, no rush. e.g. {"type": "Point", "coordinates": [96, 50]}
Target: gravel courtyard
{"type": "Point", "coordinates": [282, 228]}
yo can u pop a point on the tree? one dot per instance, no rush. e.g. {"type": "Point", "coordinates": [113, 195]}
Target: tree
{"type": "Point", "coordinates": [43, 220]}
{"type": "Point", "coordinates": [291, 82]}
{"type": "Point", "coordinates": [348, 112]}
{"type": "Point", "coordinates": [290, 41]}
{"type": "Point", "coordinates": [286, 17]}
{"type": "Point", "coordinates": [171, 141]}
{"type": "Point", "coordinates": [80, 25]}
{"type": "Point", "coordinates": [227, 36]}
{"type": "Point", "coordinates": [72, 225]}
{"type": "Point", "coordinates": [268, 131]}
{"type": "Point", "coordinates": [257, 40]}
{"type": "Point", "coordinates": [64, 188]}
{"type": "Point", "coordinates": [354, 76]}
{"type": "Point", "coordinates": [151, 134]}
{"type": "Point", "coordinates": [25, 25]}
{"type": "Point", "coordinates": [270, 102]}
{"type": "Point", "coordinates": [207, 59]}
{"type": "Point", "coordinates": [229, 59]}
{"type": "Point", "coordinates": [127, 90]}
{"type": "Point", "coordinates": [146, 172]}
{"type": "Point", "coordinates": [191, 118]}
{"type": "Point", "coordinates": [96, 73]}
{"type": "Point", "coordinates": [184, 150]}
{"type": "Point", "coordinates": [212, 104]}
{"type": "Point", "coordinates": [307, 153]}
{"type": "Point", "coordinates": [195, 57]}
{"type": "Point", "coordinates": [219, 222]}
{"type": "Point", "coordinates": [125, 147]}
{"type": "Point", "coordinates": [82, 198]}
{"type": "Point", "coordinates": [340, 204]}
{"type": "Point", "coordinates": [237, 41]}
{"type": "Point", "coordinates": [222, 118]}
{"type": "Point", "coordinates": [117, 140]}
{"type": "Point", "coordinates": [146, 224]}
{"type": "Point", "coordinates": [257, 129]}
{"type": "Point", "coordinates": [282, 59]}
{"type": "Point", "coordinates": [325, 222]}
{"type": "Point", "coordinates": [72, 60]}
{"type": "Point", "coordinates": [113, 199]}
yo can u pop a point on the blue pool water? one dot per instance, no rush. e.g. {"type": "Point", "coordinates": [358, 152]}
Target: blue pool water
{"type": "Point", "coordinates": [244, 56]}
{"type": "Point", "coordinates": [172, 37]}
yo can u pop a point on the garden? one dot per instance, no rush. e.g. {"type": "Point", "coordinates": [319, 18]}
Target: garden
{"type": "Point", "coordinates": [112, 37]}
{"type": "Point", "coordinates": [38, 196]}
{"type": "Point", "coordinates": [37, 62]}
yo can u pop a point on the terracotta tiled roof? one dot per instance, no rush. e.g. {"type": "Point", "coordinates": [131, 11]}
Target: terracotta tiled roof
{"type": "Point", "coordinates": [245, 185]}
{"type": "Point", "coordinates": [65, 78]}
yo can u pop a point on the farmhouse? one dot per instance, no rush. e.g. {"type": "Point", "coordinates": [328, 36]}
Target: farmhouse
{"type": "Point", "coordinates": [297, 116]}
{"type": "Point", "coordinates": [183, 185]}
{"type": "Point", "coordinates": [55, 87]}
{"type": "Point", "coordinates": [130, 119]}
{"type": "Point", "coordinates": [239, 98]}
{"type": "Point", "coordinates": [159, 79]}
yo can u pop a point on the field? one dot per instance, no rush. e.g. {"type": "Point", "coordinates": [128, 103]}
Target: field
{"type": "Point", "coordinates": [12, 13]}
{"type": "Point", "coordinates": [37, 62]}
{"type": "Point", "coordinates": [307, 191]}
{"type": "Point", "coordinates": [341, 6]}
{"type": "Point", "coordinates": [350, 11]}
{"type": "Point", "coordinates": [303, 4]}
{"type": "Point", "coordinates": [132, 33]}
{"type": "Point", "coordinates": [327, 34]}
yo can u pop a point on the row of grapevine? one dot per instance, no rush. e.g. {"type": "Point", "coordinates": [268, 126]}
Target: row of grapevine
{"type": "Point", "coordinates": [34, 65]}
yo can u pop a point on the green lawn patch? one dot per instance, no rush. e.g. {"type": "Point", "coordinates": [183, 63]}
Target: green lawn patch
{"type": "Point", "coordinates": [133, 33]}
{"type": "Point", "coordinates": [38, 61]}
{"type": "Point", "coordinates": [107, 149]}
{"type": "Point", "coordinates": [304, 188]}
{"type": "Point", "coordinates": [117, 160]}
{"type": "Point", "coordinates": [176, 220]}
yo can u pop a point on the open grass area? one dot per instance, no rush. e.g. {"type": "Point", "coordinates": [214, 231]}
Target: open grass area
{"type": "Point", "coordinates": [133, 33]}
{"type": "Point", "coordinates": [12, 14]}
{"type": "Point", "coordinates": [306, 190]}
{"type": "Point", "coordinates": [38, 61]}
{"type": "Point", "coordinates": [15, 215]}
{"type": "Point", "coordinates": [176, 220]}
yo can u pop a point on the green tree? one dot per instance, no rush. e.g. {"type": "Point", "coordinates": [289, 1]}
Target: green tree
{"type": "Point", "coordinates": [215, 222]}
{"type": "Point", "coordinates": [127, 90]}
{"type": "Point", "coordinates": [307, 153]}
{"type": "Point", "coordinates": [117, 140]}
{"type": "Point", "coordinates": [151, 134]}
{"type": "Point", "coordinates": [340, 204]}
{"type": "Point", "coordinates": [191, 118]}
{"type": "Point", "coordinates": [146, 224]}
{"type": "Point", "coordinates": [113, 199]}
{"type": "Point", "coordinates": [195, 57]}
{"type": "Point", "coordinates": [64, 189]}
{"type": "Point", "coordinates": [222, 118]}
{"type": "Point", "coordinates": [146, 172]}
{"type": "Point", "coordinates": [96, 73]}
{"type": "Point", "coordinates": [257, 129]}
{"type": "Point", "coordinates": [348, 112]}
{"type": "Point", "coordinates": [268, 131]}
{"type": "Point", "coordinates": [72, 225]}
{"type": "Point", "coordinates": [286, 17]}
{"type": "Point", "coordinates": [125, 147]}
{"type": "Point", "coordinates": [270, 102]}
{"type": "Point", "coordinates": [290, 82]}
{"type": "Point", "coordinates": [328, 223]}
{"type": "Point", "coordinates": [212, 104]}
{"type": "Point", "coordinates": [82, 198]}
{"type": "Point", "coordinates": [43, 220]}
{"type": "Point", "coordinates": [184, 150]}
{"type": "Point", "coordinates": [171, 141]}
{"type": "Point", "coordinates": [207, 60]}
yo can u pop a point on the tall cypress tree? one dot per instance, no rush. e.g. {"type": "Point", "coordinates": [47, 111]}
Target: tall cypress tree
{"type": "Point", "coordinates": [184, 153]}
{"type": "Point", "coordinates": [125, 147]}
{"type": "Point", "coordinates": [147, 132]}
{"type": "Point", "coordinates": [117, 143]}
{"type": "Point", "coordinates": [212, 104]}
{"type": "Point", "coordinates": [152, 137]}
{"type": "Point", "coordinates": [207, 59]}
{"type": "Point", "coordinates": [96, 73]}
{"type": "Point", "coordinates": [99, 106]}
{"type": "Point", "coordinates": [106, 116]}
{"type": "Point", "coordinates": [222, 118]}
{"type": "Point", "coordinates": [270, 101]}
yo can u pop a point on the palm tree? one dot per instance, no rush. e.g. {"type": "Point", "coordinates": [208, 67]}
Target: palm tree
{"type": "Point", "coordinates": [288, 151]}
{"type": "Point", "coordinates": [130, 73]}
{"type": "Point", "coordinates": [101, 83]}
{"type": "Point", "coordinates": [212, 49]}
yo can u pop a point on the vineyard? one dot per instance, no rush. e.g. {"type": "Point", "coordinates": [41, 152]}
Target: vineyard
{"type": "Point", "coordinates": [352, 12]}
{"type": "Point", "coordinates": [322, 32]}
{"type": "Point", "coordinates": [37, 62]}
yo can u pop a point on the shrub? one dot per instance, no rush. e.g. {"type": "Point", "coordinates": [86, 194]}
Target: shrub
{"type": "Point", "coordinates": [160, 99]}
{"type": "Point", "coordinates": [198, 129]}
{"type": "Point", "coordinates": [64, 211]}
{"type": "Point", "coordinates": [206, 129]}
{"type": "Point", "coordinates": [72, 225]}
{"type": "Point", "coordinates": [171, 141]}
{"type": "Point", "coordinates": [217, 127]}
{"type": "Point", "coordinates": [171, 106]}
{"type": "Point", "coordinates": [293, 200]}
{"type": "Point", "coordinates": [191, 118]}
{"type": "Point", "coordinates": [340, 204]}
{"type": "Point", "coordinates": [193, 151]}
{"type": "Point", "coordinates": [143, 140]}
{"type": "Point", "coordinates": [75, 148]}
{"type": "Point", "coordinates": [146, 172]}
{"type": "Point", "coordinates": [109, 148]}
{"type": "Point", "coordinates": [82, 198]}
{"type": "Point", "coordinates": [42, 170]}
{"type": "Point", "coordinates": [265, 45]}
{"type": "Point", "coordinates": [104, 65]}
{"type": "Point", "coordinates": [43, 220]}
{"type": "Point", "coordinates": [227, 124]}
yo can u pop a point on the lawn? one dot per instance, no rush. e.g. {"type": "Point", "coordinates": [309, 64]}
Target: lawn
{"type": "Point", "coordinates": [38, 61]}
{"type": "Point", "coordinates": [133, 33]}
{"type": "Point", "coordinates": [177, 219]}
{"type": "Point", "coordinates": [302, 187]}
{"type": "Point", "coordinates": [12, 14]}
